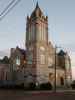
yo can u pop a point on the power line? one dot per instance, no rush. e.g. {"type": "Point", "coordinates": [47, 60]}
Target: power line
{"type": "Point", "coordinates": [10, 9]}
{"type": "Point", "coordinates": [7, 7]}
{"type": "Point", "coordinates": [33, 2]}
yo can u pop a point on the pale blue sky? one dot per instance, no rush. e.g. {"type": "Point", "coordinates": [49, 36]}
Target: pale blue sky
{"type": "Point", "coordinates": [61, 16]}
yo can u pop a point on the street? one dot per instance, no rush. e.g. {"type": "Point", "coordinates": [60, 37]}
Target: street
{"type": "Point", "coordinates": [36, 95]}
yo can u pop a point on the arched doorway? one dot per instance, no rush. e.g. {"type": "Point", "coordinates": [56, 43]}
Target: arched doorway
{"type": "Point", "coordinates": [61, 81]}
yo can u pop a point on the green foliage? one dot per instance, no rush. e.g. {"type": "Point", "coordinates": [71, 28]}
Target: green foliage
{"type": "Point", "coordinates": [46, 86]}
{"type": "Point", "coordinates": [73, 85]}
{"type": "Point", "coordinates": [32, 86]}
{"type": "Point", "coordinates": [5, 60]}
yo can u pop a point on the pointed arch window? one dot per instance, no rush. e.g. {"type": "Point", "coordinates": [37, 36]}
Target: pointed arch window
{"type": "Point", "coordinates": [42, 59]}
{"type": "Point", "coordinates": [18, 60]}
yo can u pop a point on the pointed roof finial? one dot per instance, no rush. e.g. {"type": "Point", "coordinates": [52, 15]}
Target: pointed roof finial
{"type": "Point", "coordinates": [37, 5]}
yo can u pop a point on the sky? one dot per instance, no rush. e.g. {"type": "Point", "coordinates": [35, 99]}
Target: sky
{"type": "Point", "coordinates": [61, 21]}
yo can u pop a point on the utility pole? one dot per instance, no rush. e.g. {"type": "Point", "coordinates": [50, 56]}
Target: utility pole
{"type": "Point", "coordinates": [55, 70]}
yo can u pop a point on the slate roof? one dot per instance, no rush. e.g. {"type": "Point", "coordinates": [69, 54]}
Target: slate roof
{"type": "Point", "coordinates": [61, 53]}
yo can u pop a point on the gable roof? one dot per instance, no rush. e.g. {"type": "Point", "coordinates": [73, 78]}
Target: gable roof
{"type": "Point", "coordinates": [22, 51]}
{"type": "Point", "coordinates": [61, 53]}
{"type": "Point", "coordinates": [37, 9]}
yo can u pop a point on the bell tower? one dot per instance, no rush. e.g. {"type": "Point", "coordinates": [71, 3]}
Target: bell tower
{"type": "Point", "coordinates": [37, 41]}
{"type": "Point", "coordinates": [37, 27]}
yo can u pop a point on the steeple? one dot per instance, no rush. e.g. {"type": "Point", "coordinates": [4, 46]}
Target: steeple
{"type": "Point", "coordinates": [37, 6]}
{"type": "Point", "coordinates": [37, 12]}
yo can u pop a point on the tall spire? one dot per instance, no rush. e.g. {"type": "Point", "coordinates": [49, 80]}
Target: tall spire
{"type": "Point", "coordinates": [37, 6]}
{"type": "Point", "coordinates": [37, 11]}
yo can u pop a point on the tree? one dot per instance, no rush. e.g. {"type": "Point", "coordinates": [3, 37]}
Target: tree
{"type": "Point", "coordinates": [5, 60]}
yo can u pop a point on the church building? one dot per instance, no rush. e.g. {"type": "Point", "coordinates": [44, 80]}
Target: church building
{"type": "Point", "coordinates": [37, 62]}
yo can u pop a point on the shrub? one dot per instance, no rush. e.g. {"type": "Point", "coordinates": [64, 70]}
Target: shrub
{"type": "Point", "coordinates": [73, 85]}
{"type": "Point", "coordinates": [46, 86]}
{"type": "Point", "coordinates": [31, 86]}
